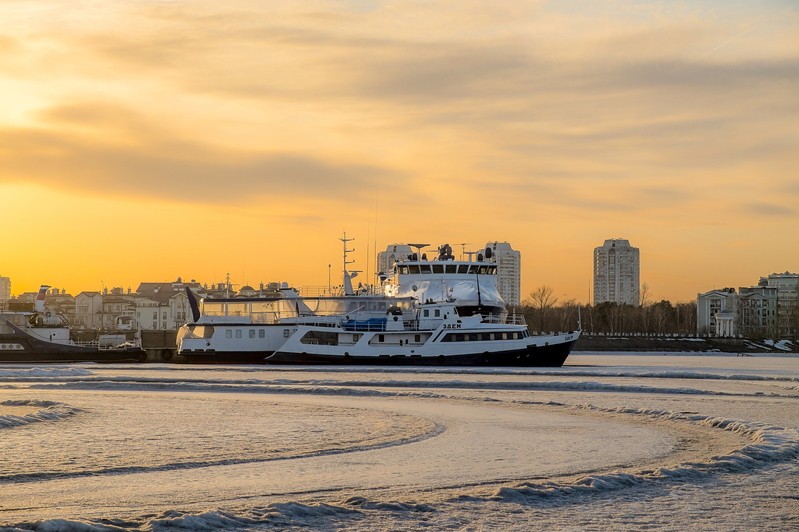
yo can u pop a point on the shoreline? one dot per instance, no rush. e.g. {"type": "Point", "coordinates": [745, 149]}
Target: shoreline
{"type": "Point", "coordinates": [623, 343]}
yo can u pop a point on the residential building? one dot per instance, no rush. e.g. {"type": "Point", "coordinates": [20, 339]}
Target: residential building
{"type": "Point", "coordinates": [58, 301]}
{"type": "Point", "coordinates": [768, 310]}
{"type": "Point", "coordinates": [164, 306]}
{"type": "Point", "coordinates": [716, 312]}
{"type": "Point", "coordinates": [616, 273]}
{"type": "Point", "coordinates": [509, 270]}
{"type": "Point", "coordinates": [757, 312]}
{"type": "Point", "coordinates": [88, 310]}
{"type": "Point", "coordinates": [787, 312]}
{"type": "Point", "coordinates": [5, 290]}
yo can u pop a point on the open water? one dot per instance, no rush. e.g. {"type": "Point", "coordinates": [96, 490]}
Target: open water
{"type": "Point", "coordinates": [621, 442]}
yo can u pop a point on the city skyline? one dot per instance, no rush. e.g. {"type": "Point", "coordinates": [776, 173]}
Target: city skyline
{"type": "Point", "coordinates": [151, 140]}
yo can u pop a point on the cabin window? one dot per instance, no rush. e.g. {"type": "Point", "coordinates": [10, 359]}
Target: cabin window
{"type": "Point", "coordinates": [486, 336]}
{"type": "Point", "coordinates": [238, 333]}
{"type": "Point", "coordinates": [426, 268]}
{"type": "Point", "coordinates": [228, 333]}
{"type": "Point", "coordinates": [413, 268]}
{"type": "Point", "coordinates": [417, 338]}
{"type": "Point", "coordinates": [286, 333]}
{"type": "Point", "coordinates": [320, 338]}
{"type": "Point", "coordinates": [451, 268]}
{"type": "Point", "coordinates": [426, 313]}
{"type": "Point", "coordinates": [403, 270]}
{"type": "Point", "coordinates": [438, 268]}
{"type": "Point", "coordinates": [381, 338]}
{"type": "Point", "coordinates": [261, 333]}
{"type": "Point", "coordinates": [437, 313]}
{"type": "Point", "coordinates": [463, 268]}
{"type": "Point", "coordinates": [252, 333]}
{"type": "Point", "coordinates": [504, 336]}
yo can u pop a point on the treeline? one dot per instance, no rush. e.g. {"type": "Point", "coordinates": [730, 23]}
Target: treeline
{"type": "Point", "coordinates": [544, 312]}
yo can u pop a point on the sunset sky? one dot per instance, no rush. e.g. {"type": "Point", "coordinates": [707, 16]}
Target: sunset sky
{"type": "Point", "coordinates": [146, 140]}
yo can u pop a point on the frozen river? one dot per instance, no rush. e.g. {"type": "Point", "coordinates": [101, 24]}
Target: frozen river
{"type": "Point", "coordinates": [607, 441]}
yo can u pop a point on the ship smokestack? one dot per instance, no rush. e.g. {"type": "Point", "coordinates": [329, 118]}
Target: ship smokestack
{"type": "Point", "coordinates": [38, 305]}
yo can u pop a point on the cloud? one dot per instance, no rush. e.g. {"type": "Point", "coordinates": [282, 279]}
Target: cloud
{"type": "Point", "coordinates": [772, 210]}
{"type": "Point", "coordinates": [175, 169]}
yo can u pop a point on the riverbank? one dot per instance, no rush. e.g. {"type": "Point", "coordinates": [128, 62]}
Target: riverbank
{"type": "Point", "coordinates": [683, 344]}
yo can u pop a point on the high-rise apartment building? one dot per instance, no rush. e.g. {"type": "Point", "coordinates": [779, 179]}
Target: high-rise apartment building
{"type": "Point", "coordinates": [509, 271]}
{"type": "Point", "coordinates": [616, 273]}
{"type": "Point", "coordinates": [5, 289]}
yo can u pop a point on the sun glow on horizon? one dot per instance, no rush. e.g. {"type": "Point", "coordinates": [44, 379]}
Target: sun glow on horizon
{"type": "Point", "coordinates": [142, 141]}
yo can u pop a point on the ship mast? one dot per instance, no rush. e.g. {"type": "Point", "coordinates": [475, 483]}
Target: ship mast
{"type": "Point", "coordinates": [347, 286]}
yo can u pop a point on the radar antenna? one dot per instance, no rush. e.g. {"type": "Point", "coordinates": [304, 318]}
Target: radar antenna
{"type": "Point", "coordinates": [463, 248]}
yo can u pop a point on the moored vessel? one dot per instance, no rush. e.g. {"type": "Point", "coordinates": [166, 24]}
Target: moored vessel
{"type": "Point", "coordinates": [42, 336]}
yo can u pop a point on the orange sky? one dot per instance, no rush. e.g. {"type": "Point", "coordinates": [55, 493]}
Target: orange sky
{"type": "Point", "coordinates": [145, 140]}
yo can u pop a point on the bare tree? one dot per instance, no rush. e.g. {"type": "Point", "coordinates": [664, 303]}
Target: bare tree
{"type": "Point", "coordinates": [542, 301]}
{"type": "Point", "coordinates": [568, 320]}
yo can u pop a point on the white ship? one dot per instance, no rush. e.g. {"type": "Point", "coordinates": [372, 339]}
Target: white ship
{"type": "Point", "coordinates": [432, 312]}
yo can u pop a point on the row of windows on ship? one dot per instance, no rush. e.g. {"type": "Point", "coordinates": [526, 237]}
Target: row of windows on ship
{"type": "Point", "coordinates": [449, 337]}
{"type": "Point", "coordinates": [435, 268]}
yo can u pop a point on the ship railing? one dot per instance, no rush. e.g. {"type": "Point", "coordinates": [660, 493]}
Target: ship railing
{"type": "Point", "coordinates": [510, 319]}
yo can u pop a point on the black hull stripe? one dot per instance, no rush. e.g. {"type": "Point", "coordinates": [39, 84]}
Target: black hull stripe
{"type": "Point", "coordinates": [549, 356]}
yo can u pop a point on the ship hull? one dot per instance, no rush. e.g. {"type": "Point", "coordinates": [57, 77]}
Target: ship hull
{"type": "Point", "coordinates": [531, 356]}
{"type": "Point", "coordinates": [225, 357]}
{"type": "Point", "coordinates": [22, 348]}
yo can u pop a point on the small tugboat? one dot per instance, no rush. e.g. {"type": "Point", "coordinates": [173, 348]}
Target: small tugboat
{"type": "Point", "coordinates": [44, 336]}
